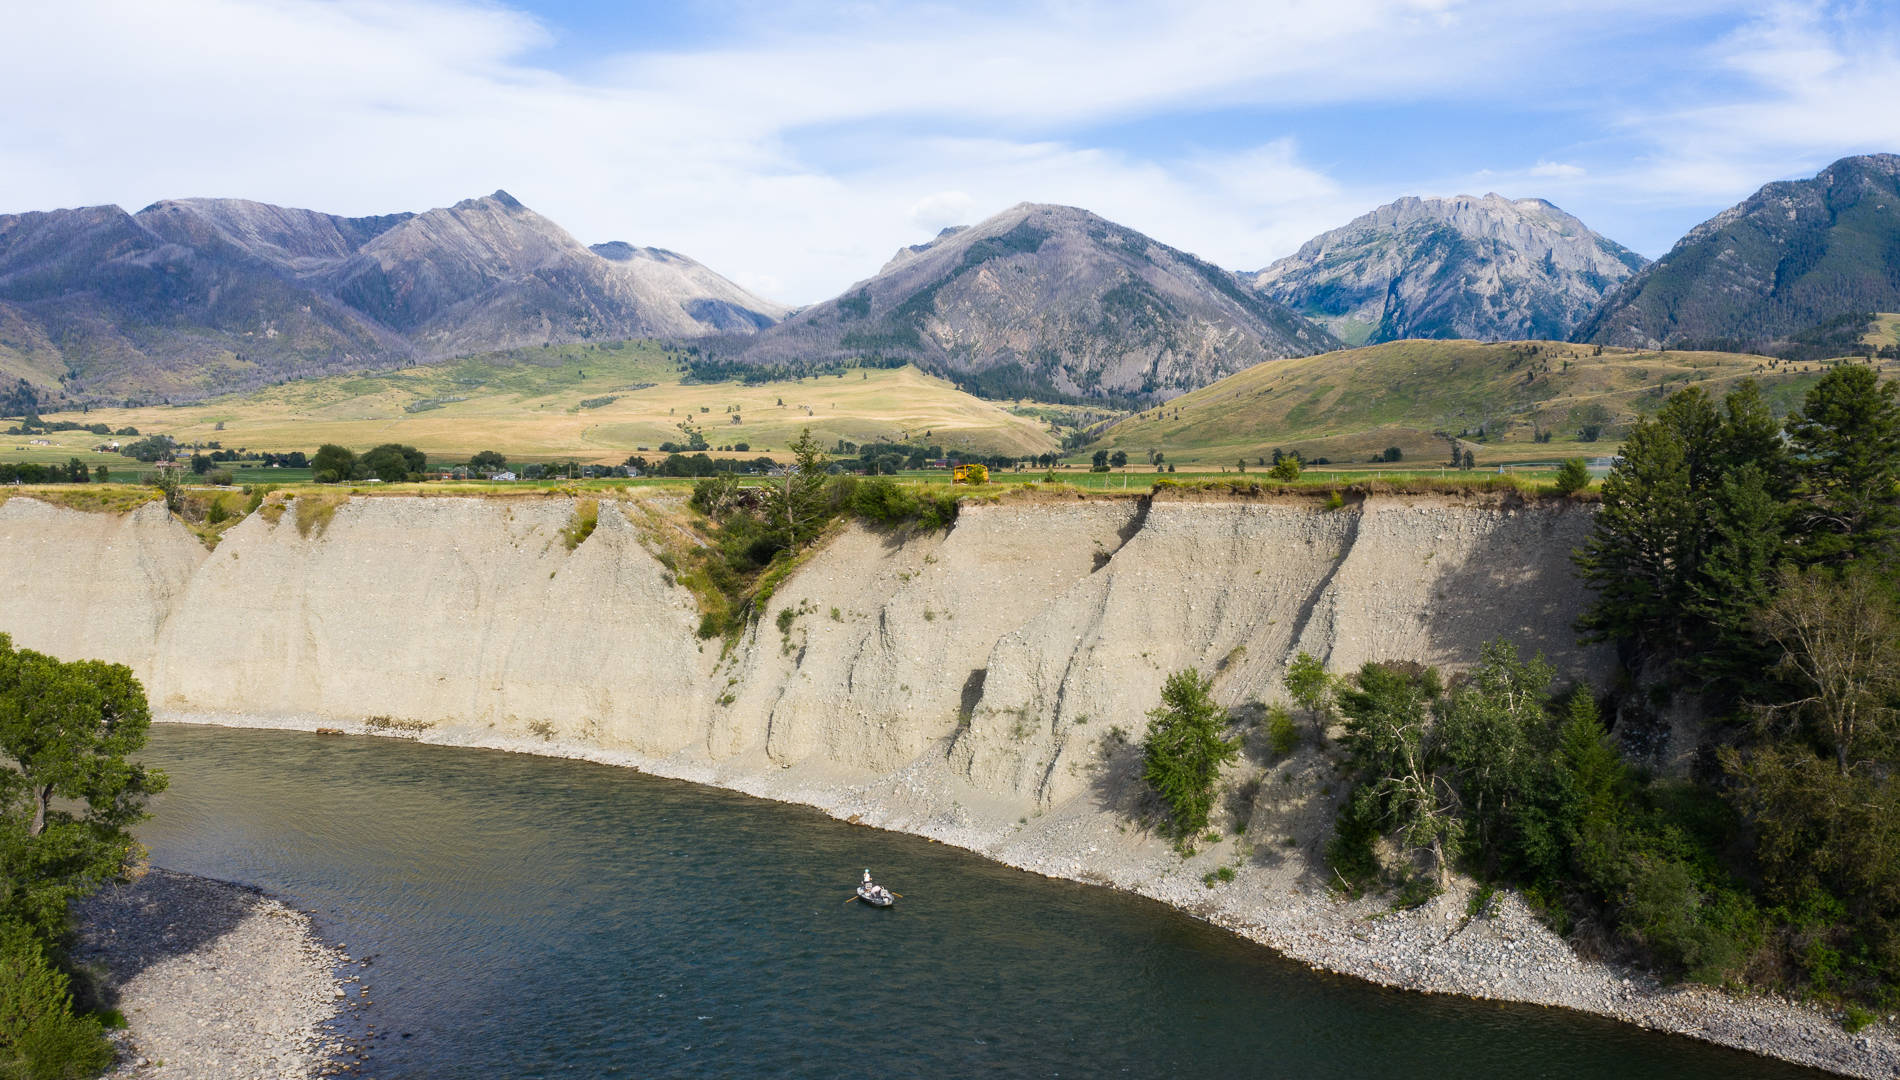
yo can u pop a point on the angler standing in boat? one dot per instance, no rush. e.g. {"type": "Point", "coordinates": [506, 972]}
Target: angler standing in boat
{"type": "Point", "coordinates": [872, 893]}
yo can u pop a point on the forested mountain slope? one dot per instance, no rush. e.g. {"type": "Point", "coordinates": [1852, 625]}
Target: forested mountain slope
{"type": "Point", "coordinates": [1775, 269]}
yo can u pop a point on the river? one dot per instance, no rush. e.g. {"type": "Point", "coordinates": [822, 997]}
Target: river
{"type": "Point", "coordinates": [538, 917]}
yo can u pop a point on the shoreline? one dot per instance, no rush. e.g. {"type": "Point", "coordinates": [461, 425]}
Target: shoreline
{"type": "Point", "coordinates": [216, 980]}
{"type": "Point", "coordinates": [1438, 948]}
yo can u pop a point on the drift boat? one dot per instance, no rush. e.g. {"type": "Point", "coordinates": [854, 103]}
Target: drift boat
{"type": "Point", "coordinates": [874, 894]}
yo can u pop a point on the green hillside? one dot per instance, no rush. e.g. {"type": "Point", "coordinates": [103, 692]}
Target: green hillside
{"type": "Point", "coordinates": [1496, 399]}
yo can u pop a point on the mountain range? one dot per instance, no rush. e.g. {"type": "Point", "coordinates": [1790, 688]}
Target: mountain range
{"type": "Point", "coordinates": [193, 297]}
{"type": "Point", "coordinates": [1488, 269]}
{"type": "Point", "coordinates": [1050, 302]}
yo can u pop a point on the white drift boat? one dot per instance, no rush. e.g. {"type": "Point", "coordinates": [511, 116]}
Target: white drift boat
{"type": "Point", "coordinates": [874, 894]}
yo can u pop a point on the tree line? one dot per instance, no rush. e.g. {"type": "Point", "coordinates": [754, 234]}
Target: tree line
{"type": "Point", "coordinates": [1743, 571]}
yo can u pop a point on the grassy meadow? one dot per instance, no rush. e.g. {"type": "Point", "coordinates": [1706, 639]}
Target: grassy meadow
{"type": "Point", "coordinates": [595, 403]}
{"type": "Point", "coordinates": [1884, 331]}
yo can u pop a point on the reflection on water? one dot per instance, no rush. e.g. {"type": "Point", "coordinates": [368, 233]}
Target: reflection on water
{"type": "Point", "coordinates": [533, 917]}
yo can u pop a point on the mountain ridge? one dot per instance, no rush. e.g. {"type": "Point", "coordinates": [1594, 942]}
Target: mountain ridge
{"type": "Point", "coordinates": [193, 297]}
{"type": "Point", "coordinates": [1779, 265]}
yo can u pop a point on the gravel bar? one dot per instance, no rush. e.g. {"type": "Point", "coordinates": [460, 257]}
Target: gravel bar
{"type": "Point", "coordinates": [217, 981]}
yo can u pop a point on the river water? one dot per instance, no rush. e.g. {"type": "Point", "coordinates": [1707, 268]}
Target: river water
{"type": "Point", "coordinates": [536, 917]}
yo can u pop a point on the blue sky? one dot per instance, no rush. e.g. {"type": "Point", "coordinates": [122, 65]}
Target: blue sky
{"type": "Point", "coordinates": [793, 146]}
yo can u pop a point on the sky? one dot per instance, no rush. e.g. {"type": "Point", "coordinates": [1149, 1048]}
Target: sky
{"type": "Point", "coordinates": [794, 145]}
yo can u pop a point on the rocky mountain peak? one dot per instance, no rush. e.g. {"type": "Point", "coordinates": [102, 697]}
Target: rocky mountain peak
{"type": "Point", "coordinates": [198, 296]}
{"type": "Point", "coordinates": [1050, 301]}
{"type": "Point", "coordinates": [1484, 267]}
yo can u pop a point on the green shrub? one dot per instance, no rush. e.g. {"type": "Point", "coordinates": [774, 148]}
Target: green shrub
{"type": "Point", "coordinates": [1350, 852]}
{"type": "Point", "coordinates": [40, 1037]}
{"type": "Point", "coordinates": [885, 502]}
{"type": "Point", "coordinates": [1282, 734]}
{"type": "Point", "coordinates": [1572, 476]}
{"type": "Point", "coordinates": [580, 525]}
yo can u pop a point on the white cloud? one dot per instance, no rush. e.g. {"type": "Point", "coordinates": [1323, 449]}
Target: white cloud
{"type": "Point", "coordinates": [1560, 169]}
{"type": "Point", "coordinates": [1815, 86]}
{"type": "Point", "coordinates": [942, 209]}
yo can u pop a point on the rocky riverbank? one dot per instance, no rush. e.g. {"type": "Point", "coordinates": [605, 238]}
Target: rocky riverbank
{"type": "Point", "coordinates": [216, 981]}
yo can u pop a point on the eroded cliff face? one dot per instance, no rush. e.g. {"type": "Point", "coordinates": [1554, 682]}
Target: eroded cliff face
{"type": "Point", "coordinates": [999, 654]}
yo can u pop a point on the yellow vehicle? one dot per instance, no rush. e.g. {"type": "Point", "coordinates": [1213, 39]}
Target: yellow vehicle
{"type": "Point", "coordinates": [970, 474]}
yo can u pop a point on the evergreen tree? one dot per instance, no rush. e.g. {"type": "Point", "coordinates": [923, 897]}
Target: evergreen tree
{"type": "Point", "coordinates": [1184, 750]}
{"type": "Point", "coordinates": [1572, 476]}
{"type": "Point", "coordinates": [1846, 443]}
{"type": "Point", "coordinates": [1640, 545]}
{"type": "Point", "coordinates": [1690, 530]}
{"type": "Point", "coordinates": [797, 505]}
{"type": "Point", "coordinates": [1736, 580]}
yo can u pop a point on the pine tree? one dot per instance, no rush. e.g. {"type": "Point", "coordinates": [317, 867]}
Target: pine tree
{"type": "Point", "coordinates": [1736, 580]}
{"type": "Point", "coordinates": [797, 505]}
{"type": "Point", "coordinates": [1642, 538]}
{"type": "Point", "coordinates": [1184, 751]}
{"type": "Point", "coordinates": [1846, 442]}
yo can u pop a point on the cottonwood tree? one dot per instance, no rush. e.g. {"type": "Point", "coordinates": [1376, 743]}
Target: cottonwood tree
{"type": "Point", "coordinates": [1840, 643]}
{"type": "Point", "coordinates": [68, 787]}
{"type": "Point", "coordinates": [1311, 688]}
{"type": "Point", "coordinates": [1388, 727]}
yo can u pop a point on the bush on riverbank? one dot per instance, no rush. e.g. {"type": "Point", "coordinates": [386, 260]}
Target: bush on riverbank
{"type": "Point", "coordinates": [40, 1036]}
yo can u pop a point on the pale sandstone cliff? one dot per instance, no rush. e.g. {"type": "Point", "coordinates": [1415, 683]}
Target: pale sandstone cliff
{"type": "Point", "coordinates": [988, 645]}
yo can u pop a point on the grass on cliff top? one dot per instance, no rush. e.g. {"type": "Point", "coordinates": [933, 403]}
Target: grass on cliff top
{"type": "Point", "coordinates": [1351, 405]}
{"type": "Point", "coordinates": [595, 403]}
{"type": "Point", "coordinates": [91, 498]}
